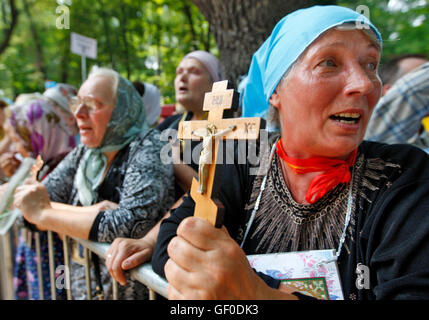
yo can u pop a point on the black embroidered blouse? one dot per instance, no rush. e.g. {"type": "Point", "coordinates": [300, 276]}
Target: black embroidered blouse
{"type": "Point", "coordinates": [388, 231]}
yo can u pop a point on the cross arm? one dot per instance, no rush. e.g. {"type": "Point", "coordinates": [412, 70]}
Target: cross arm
{"type": "Point", "coordinates": [245, 128]}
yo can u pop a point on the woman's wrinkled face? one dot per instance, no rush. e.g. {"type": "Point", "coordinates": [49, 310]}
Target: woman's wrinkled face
{"type": "Point", "coordinates": [327, 100]}
{"type": "Point", "coordinates": [93, 123]}
{"type": "Point", "coordinates": [191, 83]}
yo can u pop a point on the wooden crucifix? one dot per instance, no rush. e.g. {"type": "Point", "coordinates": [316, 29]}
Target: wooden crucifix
{"type": "Point", "coordinates": [204, 190]}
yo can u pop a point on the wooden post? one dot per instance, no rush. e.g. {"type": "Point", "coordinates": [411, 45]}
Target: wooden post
{"type": "Point", "coordinates": [215, 128]}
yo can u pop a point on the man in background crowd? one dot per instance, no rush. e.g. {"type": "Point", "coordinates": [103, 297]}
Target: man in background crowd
{"type": "Point", "coordinates": [405, 102]}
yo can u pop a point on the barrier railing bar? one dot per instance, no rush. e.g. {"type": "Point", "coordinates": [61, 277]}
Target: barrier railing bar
{"type": "Point", "coordinates": [152, 295]}
{"type": "Point", "coordinates": [150, 279]}
{"type": "Point", "coordinates": [51, 265]}
{"type": "Point", "coordinates": [66, 248]}
{"type": "Point", "coordinates": [39, 265]}
{"type": "Point", "coordinates": [143, 273]}
{"type": "Point", "coordinates": [115, 289]}
{"type": "Point", "coordinates": [29, 240]}
{"type": "Point", "coordinates": [87, 255]}
{"type": "Point", "coordinates": [6, 264]}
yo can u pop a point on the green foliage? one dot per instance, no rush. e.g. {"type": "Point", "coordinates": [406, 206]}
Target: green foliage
{"type": "Point", "coordinates": [403, 24]}
{"type": "Point", "coordinates": [143, 40]}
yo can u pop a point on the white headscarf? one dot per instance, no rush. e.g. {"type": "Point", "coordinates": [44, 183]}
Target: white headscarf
{"type": "Point", "coordinates": [152, 103]}
{"type": "Point", "coordinates": [210, 62]}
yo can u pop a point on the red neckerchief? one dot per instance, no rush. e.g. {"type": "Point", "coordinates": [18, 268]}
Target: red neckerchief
{"type": "Point", "coordinates": [334, 171]}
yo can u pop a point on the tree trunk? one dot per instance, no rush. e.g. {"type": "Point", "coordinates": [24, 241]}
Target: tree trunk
{"type": "Point", "coordinates": [7, 33]}
{"type": "Point", "coordinates": [65, 60]}
{"type": "Point", "coordinates": [206, 39]}
{"type": "Point", "coordinates": [241, 26]}
{"type": "Point", "coordinates": [105, 17]}
{"type": "Point", "coordinates": [158, 39]}
{"type": "Point", "coordinates": [188, 14]}
{"type": "Point", "coordinates": [123, 22]}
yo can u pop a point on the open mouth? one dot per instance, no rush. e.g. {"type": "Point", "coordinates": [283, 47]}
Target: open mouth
{"type": "Point", "coordinates": [347, 118]}
{"type": "Point", "coordinates": [84, 129]}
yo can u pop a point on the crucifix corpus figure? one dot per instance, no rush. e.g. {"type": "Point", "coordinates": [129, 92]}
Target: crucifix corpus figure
{"type": "Point", "coordinates": [207, 152]}
{"type": "Point", "coordinates": [205, 191]}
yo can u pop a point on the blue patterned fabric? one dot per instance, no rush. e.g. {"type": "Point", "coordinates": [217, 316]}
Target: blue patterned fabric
{"type": "Point", "coordinates": [26, 278]}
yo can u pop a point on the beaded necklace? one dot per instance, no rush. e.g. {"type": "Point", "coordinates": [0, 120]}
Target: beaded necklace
{"type": "Point", "coordinates": [346, 223]}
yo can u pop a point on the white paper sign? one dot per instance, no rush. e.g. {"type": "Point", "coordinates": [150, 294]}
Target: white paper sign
{"type": "Point", "coordinates": [7, 218]}
{"type": "Point", "coordinates": [83, 46]}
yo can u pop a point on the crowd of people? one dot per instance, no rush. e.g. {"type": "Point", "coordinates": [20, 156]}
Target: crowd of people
{"type": "Point", "coordinates": [346, 170]}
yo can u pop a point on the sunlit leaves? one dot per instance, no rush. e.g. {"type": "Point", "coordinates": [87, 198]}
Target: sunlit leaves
{"type": "Point", "coordinates": [146, 38]}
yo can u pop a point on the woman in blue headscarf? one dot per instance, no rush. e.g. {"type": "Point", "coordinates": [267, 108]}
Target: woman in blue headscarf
{"type": "Point", "coordinates": [315, 80]}
{"type": "Point", "coordinates": [113, 184]}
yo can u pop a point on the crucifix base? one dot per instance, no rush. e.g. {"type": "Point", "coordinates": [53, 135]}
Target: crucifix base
{"type": "Point", "coordinates": [207, 208]}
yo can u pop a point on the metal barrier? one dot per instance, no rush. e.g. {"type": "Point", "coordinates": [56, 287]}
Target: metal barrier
{"type": "Point", "coordinates": [6, 267]}
{"type": "Point", "coordinates": [144, 273]}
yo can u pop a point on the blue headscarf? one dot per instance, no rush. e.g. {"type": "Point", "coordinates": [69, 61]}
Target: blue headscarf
{"type": "Point", "coordinates": [289, 39]}
{"type": "Point", "coordinates": [128, 120]}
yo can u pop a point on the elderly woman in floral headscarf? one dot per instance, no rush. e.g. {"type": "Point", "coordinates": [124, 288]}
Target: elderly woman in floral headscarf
{"type": "Point", "coordinates": [60, 96]}
{"type": "Point", "coordinates": [41, 131]}
{"type": "Point", "coordinates": [37, 129]}
{"type": "Point", "coordinates": [112, 185]}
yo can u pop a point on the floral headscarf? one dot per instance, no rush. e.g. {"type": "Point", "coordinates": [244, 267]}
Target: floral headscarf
{"type": "Point", "coordinates": [61, 95]}
{"type": "Point", "coordinates": [41, 129]}
{"type": "Point", "coordinates": [128, 120]}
